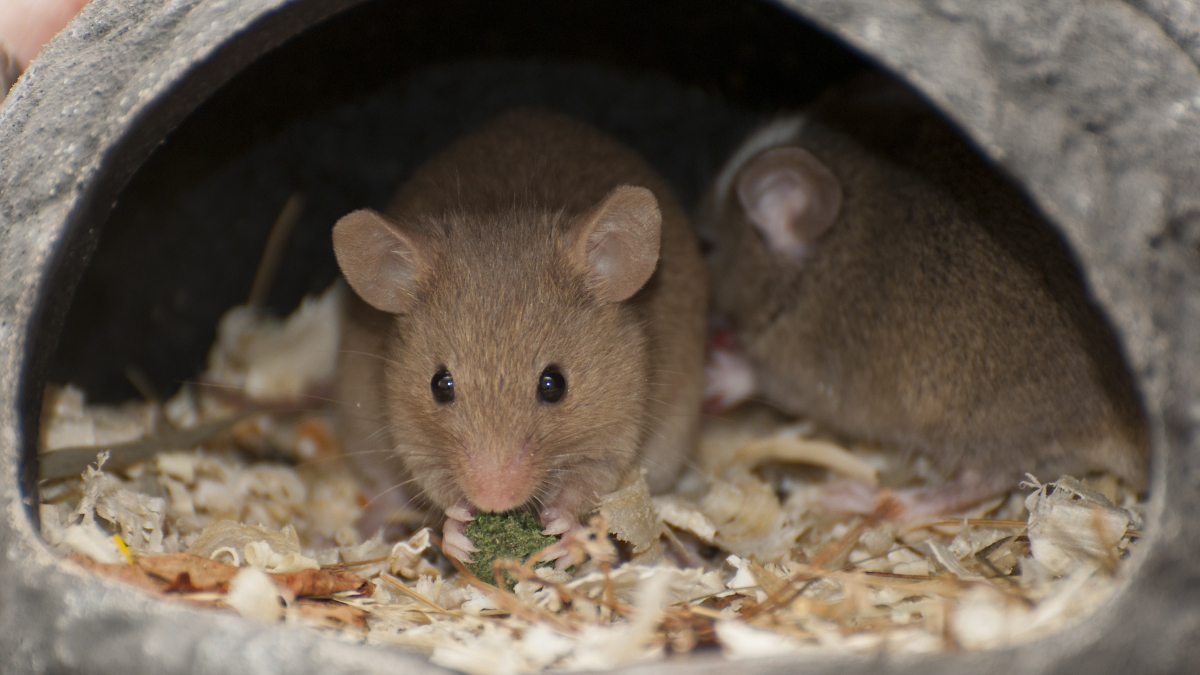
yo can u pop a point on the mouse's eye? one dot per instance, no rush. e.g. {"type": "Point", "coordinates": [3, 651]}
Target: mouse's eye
{"type": "Point", "coordinates": [551, 385]}
{"type": "Point", "coordinates": [442, 386]}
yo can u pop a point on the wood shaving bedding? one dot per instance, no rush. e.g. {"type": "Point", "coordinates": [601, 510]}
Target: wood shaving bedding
{"type": "Point", "coordinates": [740, 557]}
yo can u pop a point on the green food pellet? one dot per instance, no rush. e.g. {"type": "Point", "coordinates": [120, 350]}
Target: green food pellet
{"type": "Point", "coordinates": [512, 534]}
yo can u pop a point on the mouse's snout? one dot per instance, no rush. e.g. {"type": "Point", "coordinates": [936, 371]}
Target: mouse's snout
{"type": "Point", "coordinates": [498, 479]}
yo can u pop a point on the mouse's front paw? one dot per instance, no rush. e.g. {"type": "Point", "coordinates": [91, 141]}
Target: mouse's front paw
{"type": "Point", "coordinates": [454, 538]}
{"type": "Point", "coordinates": [568, 551]}
{"type": "Point", "coordinates": [847, 495]}
{"type": "Point", "coordinates": [729, 376]}
{"type": "Point", "coordinates": [558, 518]}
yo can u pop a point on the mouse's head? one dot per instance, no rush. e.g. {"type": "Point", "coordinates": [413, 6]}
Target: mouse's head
{"type": "Point", "coordinates": [515, 368]}
{"type": "Point", "coordinates": [765, 218]}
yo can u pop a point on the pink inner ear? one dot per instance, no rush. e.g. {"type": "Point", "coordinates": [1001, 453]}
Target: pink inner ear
{"type": "Point", "coordinates": [381, 262]}
{"type": "Point", "coordinates": [790, 197]}
{"type": "Point", "coordinates": [616, 243]}
{"type": "Point", "coordinates": [782, 201]}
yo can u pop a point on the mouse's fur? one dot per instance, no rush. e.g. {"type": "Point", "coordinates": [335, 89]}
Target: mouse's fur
{"type": "Point", "coordinates": [496, 286]}
{"type": "Point", "coordinates": [936, 313]}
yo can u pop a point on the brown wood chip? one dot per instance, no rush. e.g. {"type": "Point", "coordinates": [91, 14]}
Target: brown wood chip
{"type": "Point", "coordinates": [130, 574]}
{"type": "Point", "coordinates": [324, 582]}
{"type": "Point", "coordinates": [328, 611]}
{"type": "Point", "coordinates": [187, 573]}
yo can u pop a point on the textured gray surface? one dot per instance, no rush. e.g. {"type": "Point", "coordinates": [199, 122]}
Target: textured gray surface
{"type": "Point", "coordinates": [84, 116]}
{"type": "Point", "coordinates": [1095, 109]}
{"type": "Point", "coordinates": [1092, 106]}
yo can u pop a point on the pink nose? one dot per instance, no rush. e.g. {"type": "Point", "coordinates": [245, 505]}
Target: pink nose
{"type": "Point", "coordinates": [498, 498]}
{"type": "Point", "coordinates": [498, 483]}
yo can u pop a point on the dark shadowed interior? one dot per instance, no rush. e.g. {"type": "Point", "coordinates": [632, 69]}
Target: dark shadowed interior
{"type": "Point", "coordinates": [344, 112]}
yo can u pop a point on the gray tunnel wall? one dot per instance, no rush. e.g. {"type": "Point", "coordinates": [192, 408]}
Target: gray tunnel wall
{"type": "Point", "coordinates": [1092, 107]}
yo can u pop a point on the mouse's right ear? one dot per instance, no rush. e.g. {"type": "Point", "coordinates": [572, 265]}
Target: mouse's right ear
{"type": "Point", "coordinates": [790, 197]}
{"type": "Point", "coordinates": [383, 263]}
{"type": "Point", "coordinates": [616, 243]}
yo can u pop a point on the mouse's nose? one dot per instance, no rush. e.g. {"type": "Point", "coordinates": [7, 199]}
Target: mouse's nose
{"type": "Point", "coordinates": [499, 480]}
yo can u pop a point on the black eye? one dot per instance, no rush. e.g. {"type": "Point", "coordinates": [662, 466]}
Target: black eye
{"type": "Point", "coordinates": [442, 386]}
{"type": "Point", "coordinates": [551, 385]}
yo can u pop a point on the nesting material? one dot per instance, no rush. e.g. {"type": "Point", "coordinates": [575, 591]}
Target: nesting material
{"type": "Point", "coordinates": [257, 517]}
{"type": "Point", "coordinates": [269, 359]}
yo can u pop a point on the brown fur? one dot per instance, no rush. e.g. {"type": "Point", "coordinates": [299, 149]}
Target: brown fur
{"type": "Point", "coordinates": [937, 313]}
{"type": "Point", "coordinates": [504, 300]}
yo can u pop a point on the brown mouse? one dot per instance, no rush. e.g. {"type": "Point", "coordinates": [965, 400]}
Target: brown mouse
{"type": "Point", "coordinates": [883, 280]}
{"type": "Point", "coordinates": [532, 324]}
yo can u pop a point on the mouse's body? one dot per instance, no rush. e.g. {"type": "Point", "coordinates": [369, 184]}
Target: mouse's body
{"type": "Point", "coordinates": [884, 281]}
{"type": "Point", "coordinates": [536, 299]}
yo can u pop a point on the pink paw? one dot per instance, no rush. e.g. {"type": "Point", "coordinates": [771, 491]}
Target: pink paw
{"type": "Point", "coordinates": [729, 376]}
{"type": "Point", "coordinates": [847, 495]}
{"type": "Point", "coordinates": [567, 551]}
{"type": "Point", "coordinates": [558, 518]}
{"type": "Point", "coordinates": [454, 538]}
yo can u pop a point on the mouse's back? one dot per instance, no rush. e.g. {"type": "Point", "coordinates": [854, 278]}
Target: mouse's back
{"type": "Point", "coordinates": [934, 310]}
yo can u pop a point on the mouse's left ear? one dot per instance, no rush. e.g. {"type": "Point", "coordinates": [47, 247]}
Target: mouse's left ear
{"type": "Point", "coordinates": [383, 262]}
{"type": "Point", "coordinates": [616, 243]}
{"type": "Point", "coordinates": [790, 197]}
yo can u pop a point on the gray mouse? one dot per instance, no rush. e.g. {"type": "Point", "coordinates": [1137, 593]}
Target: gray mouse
{"type": "Point", "coordinates": [884, 281]}
{"type": "Point", "coordinates": [529, 322]}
